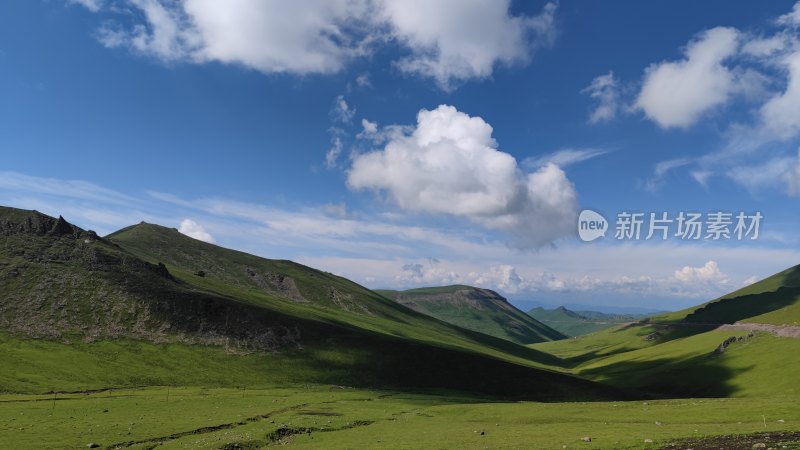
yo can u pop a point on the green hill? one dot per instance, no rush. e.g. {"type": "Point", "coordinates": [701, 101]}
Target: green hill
{"type": "Point", "coordinates": [83, 312]}
{"type": "Point", "coordinates": [577, 323]}
{"type": "Point", "coordinates": [741, 344]}
{"type": "Point", "coordinates": [773, 300]}
{"type": "Point", "coordinates": [475, 309]}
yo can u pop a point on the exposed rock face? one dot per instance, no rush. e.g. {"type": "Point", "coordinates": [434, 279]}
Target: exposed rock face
{"type": "Point", "coordinates": [41, 224]}
{"type": "Point", "coordinates": [721, 348]}
{"type": "Point", "coordinates": [345, 302]}
{"type": "Point", "coordinates": [61, 282]}
{"type": "Point", "coordinates": [276, 283]}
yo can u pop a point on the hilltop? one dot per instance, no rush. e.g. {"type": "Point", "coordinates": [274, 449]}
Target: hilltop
{"type": "Point", "coordinates": [476, 309]}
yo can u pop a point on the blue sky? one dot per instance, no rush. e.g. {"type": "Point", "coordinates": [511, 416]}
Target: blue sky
{"type": "Point", "coordinates": [405, 144]}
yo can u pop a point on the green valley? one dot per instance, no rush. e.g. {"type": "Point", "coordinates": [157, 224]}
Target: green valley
{"type": "Point", "coordinates": [147, 338]}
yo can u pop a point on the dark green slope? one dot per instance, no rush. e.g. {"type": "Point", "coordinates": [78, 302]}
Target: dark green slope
{"type": "Point", "coordinates": [578, 323]}
{"type": "Point", "coordinates": [70, 297]}
{"type": "Point", "coordinates": [476, 309]}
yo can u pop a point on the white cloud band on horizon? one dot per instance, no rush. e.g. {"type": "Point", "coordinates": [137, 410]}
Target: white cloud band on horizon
{"type": "Point", "coordinates": [374, 250]}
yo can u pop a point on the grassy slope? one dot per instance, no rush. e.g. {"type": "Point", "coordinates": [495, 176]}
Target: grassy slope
{"type": "Point", "coordinates": [92, 300]}
{"type": "Point", "coordinates": [673, 354]}
{"type": "Point", "coordinates": [572, 323]}
{"type": "Point", "coordinates": [475, 309]}
{"type": "Point", "coordinates": [226, 274]}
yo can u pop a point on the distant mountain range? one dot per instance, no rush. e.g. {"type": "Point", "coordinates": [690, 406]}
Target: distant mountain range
{"type": "Point", "coordinates": [576, 323]}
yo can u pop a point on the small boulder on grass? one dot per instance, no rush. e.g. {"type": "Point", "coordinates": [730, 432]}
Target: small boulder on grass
{"type": "Point", "coordinates": [586, 439]}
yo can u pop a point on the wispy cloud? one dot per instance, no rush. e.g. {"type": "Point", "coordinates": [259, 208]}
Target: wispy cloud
{"type": "Point", "coordinates": [565, 157]}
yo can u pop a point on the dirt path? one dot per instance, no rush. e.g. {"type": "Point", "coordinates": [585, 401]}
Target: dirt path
{"type": "Point", "coordinates": [788, 331]}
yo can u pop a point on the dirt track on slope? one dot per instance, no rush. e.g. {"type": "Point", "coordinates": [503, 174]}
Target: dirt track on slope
{"type": "Point", "coordinates": [788, 331]}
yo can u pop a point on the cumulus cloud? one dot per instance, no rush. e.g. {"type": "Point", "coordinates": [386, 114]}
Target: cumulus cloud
{"type": "Point", "coordinates": [452, 41]}
{"type": "Point", "coordinates": [448, 41]}
{"type": "Point", "coordinates": [449, 164]}
{"type": "Point", "coordinates": [194, 230]}
{"type": "Point", "coordinates": [677, 93]}
{"type": "Point", "coordinates": [709, 272]}
{"type": "Point", "coordinates": [416, 274]}
{"type": "Point", "coordinates": [604, 90]}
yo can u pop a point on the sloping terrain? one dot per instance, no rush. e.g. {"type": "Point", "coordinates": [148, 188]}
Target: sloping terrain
{"type": "Point", "coordinates": [73, 303]}
{"type": "Point", "coordinates": [475, 309]}
{"type": "Point", "coordinates": [698, 352]}
{"type": "Point", "coordinates": [315, 294]}
{"type": "Point", "coordinates": [577, 323]}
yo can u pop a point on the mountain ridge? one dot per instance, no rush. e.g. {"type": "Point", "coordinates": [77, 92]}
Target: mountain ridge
{"type": "Point", "coordinates": [475, 308]}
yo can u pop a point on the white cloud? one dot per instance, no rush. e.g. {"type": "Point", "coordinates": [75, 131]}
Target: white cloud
{"type": "Point", "coordinates": [763, 47]}
{"type": "Point", "coordinates": [792, 177]}
{"type": "Point", "coordinates": [332, 155]}
{"type": "Point", "coordinates": [565, 157]}
{"type": "Point", "coordinates": [709, 272]}
{"type": "Point", "coordinates": [791, 18]}
{"type": "Point", "coordinates": [781, 114]}
{"type": "Point", "coordinates": [167, 35]}
{"type": "Point", "coordinates": [337, 136]}
{"type": "Point", "coordinates": [452, 41]}
{"type": "Point", "coordinates": [363, 80]}
{"type": "Point", "coordinates": [769, 174]}
{"type": "Point", "coordinates": [194, 230]}
{"type": "Point", "coordinates": [449, 41]}
{"type": "Point", "coordinates": [356, 245]}
{"type": "Point", "coordinates": [751, 280]}
{"type": "Point", "coordinates": [662, 169]}
{"type": "Point", "coordinates": [369, 127]}
{"type": "Point", "coordinates": [676, 94]}
{"type": "Point", "coordinates": [450, 164]}
{"type": "Point", "coordinates": [341, 111]}
{"type": "Point", "coordinates": [503, 278]}
{"type": "Point", "coordinates": [701, 176]}
{"type": "Point", "coordinates": [604, 89]}
{"type": "Point", "coordinates": [91, 5]}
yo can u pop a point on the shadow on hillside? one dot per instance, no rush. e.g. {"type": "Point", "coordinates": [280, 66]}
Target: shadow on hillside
{"type": "Point", "coordinates": [700, 376]}
{"type": "Point", "coordinates": [730, 310]}
{"type": "Point", "coordinates": [336, 353]}
{"type": "Point", "coordinates": [387, 363]}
